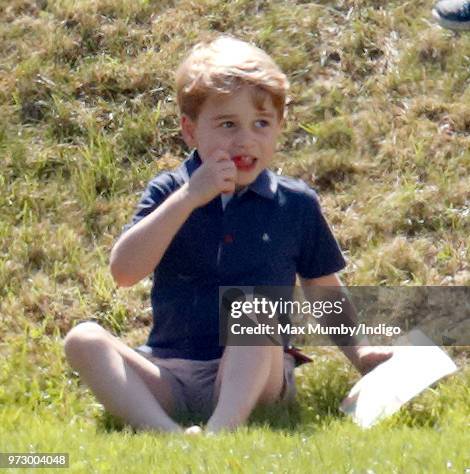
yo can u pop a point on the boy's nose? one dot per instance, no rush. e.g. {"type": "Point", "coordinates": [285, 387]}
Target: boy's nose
{"type": "Point", "coordinates": [244, 139]}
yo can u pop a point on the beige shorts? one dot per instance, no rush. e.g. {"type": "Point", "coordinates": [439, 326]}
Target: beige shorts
{"type": "Point", "coordinates": [193, 381]}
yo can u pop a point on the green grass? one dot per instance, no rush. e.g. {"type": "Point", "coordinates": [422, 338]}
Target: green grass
{"type": "Point", "coordinates": [51, 411]}
{"type": "Point", "coordinates": [378, 125]}
{"type": "Point", "coordinates": [338, 447]}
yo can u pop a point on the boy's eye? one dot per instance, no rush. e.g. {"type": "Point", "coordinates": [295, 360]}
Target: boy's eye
{"type": "Point", "coordinates": [227, 124]}
{"type": "Point", "coordinates": [264, 123]}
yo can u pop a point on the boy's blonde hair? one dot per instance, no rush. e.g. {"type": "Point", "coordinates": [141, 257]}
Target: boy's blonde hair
{"type": "Point", "coordinates": [221, 66]}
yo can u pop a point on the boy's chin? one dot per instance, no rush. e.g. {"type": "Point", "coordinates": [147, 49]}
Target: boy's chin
{"type": "Point", "coordinates": [243, 181]}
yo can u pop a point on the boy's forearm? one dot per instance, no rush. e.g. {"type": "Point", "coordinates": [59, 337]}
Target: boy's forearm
{"type": "Point", "coordinates": [330, 287]}
{"type": "Point", "coordinates": [136, 254]}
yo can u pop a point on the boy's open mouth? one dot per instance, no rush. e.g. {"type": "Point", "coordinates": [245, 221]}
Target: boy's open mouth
{"type": "Point", "coordinates": [244, 162]}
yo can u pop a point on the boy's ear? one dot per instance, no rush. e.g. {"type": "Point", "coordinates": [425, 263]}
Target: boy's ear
{"type": "Point", "coordinates": [187, 129]}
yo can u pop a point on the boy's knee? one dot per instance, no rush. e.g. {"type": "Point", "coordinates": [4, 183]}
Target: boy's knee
{"type": "Point", "coordinates": [83, 337]}
{"type": "Point", "coordinates": [260, 354]}
{"type": "Point", "coordinates": [268, 349]}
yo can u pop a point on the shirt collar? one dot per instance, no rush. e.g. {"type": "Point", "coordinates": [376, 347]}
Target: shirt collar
{"type": "Point", "coordinates": [191, 164]}
{"type": "Point", "coordinates": [265, 184]}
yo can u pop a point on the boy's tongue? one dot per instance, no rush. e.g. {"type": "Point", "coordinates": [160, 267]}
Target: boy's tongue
{"type": "Point", "coordinates": [243, 162]}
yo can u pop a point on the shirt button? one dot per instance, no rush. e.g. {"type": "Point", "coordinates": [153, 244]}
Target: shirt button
{"type": "Point", "coordinates": [228, 238]}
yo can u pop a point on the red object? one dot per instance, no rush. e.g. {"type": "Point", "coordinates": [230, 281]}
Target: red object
{"type": "Point", "coordinates": [228, 238]}
{"type": "Point", "coordinates": [240, 164]}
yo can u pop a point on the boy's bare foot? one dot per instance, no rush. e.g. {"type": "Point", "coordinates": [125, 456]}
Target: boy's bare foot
{"type": "Point", "coordinates": [193, 430]}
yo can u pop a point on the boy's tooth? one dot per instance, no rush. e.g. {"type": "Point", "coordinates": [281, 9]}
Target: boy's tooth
{"type": "Point", "coordinates": [244, 160]}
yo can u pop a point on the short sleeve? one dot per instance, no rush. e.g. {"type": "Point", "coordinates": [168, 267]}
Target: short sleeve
{"type": "Point", "coordinates": [158, 189]}
{"type": "Point", "coordinates": [320, 254]}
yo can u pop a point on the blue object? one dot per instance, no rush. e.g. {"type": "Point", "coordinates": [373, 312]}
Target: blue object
{"type": "Point", "coordinates": [265, 236]}
{"type": "Point", "coordinates": [453, 14]}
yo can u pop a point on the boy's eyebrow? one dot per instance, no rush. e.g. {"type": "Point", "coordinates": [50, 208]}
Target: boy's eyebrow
{"type": "Point", "coordinates": [224, 116]}
{"type": "Point", "coordinates": [229, 116]}
{"type": "Point", "coordinates": [265, 114]}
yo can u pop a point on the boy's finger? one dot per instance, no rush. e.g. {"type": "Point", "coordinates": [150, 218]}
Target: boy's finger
{"type": "Point", "coordinates": [227, 177]}
{"type": "Point", "coordinates": [229, 187]}
{"type": "Point", "coordinates": [221, 155]}
{"type": "Point", "coordinates": [226, 164]}
{"type": "Point", "coordinates": [228, 174]}
{"type": "Point", "coordinates": [229, 171]}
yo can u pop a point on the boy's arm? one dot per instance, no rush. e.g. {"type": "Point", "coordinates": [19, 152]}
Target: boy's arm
{"type": "Point", "coordinates": [139, 250]}
{"type": "Point", "coordinates": [363, 357]}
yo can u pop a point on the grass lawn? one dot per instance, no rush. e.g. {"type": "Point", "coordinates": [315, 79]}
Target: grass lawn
{"type": "Point", "coordinates": [431, 434]}
{"type": "Point", "coordinates": [336, 447]}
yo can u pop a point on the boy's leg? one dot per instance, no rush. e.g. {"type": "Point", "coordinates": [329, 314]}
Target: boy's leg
{"type": "Point", "coordinates": [126, 383]}
{"type": "Point", "coordinates": [247, 376]}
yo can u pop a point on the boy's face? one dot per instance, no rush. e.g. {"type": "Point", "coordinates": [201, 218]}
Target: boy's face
{"type": "Point", "coordinates": [233, 124]}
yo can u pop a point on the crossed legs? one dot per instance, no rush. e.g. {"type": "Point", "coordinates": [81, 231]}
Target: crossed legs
{"type": "Point", "coordinates": [136, 390]}
{"type": "Point", "coordinates": [128, 385]}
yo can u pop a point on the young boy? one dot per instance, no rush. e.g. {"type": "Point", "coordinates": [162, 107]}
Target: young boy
{"type": "Point", "coordinates": [222, 218]}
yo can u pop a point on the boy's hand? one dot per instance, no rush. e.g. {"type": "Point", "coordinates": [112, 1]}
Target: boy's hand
{"type": "Point", "coordinates": [215, 176]}
{"type": "Point", "coordinates": [367, 358]}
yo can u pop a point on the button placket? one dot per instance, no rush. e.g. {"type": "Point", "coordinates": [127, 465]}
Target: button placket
{"type": "Point", "coordinates": [227, 237]}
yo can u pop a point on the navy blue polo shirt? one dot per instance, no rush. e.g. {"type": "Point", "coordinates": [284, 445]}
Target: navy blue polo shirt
{"type": "Point", "coordinates": [264, 236]}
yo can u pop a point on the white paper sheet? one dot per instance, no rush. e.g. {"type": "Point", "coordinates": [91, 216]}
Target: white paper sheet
{"type": "Point", "coordinates": [415, 365]}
